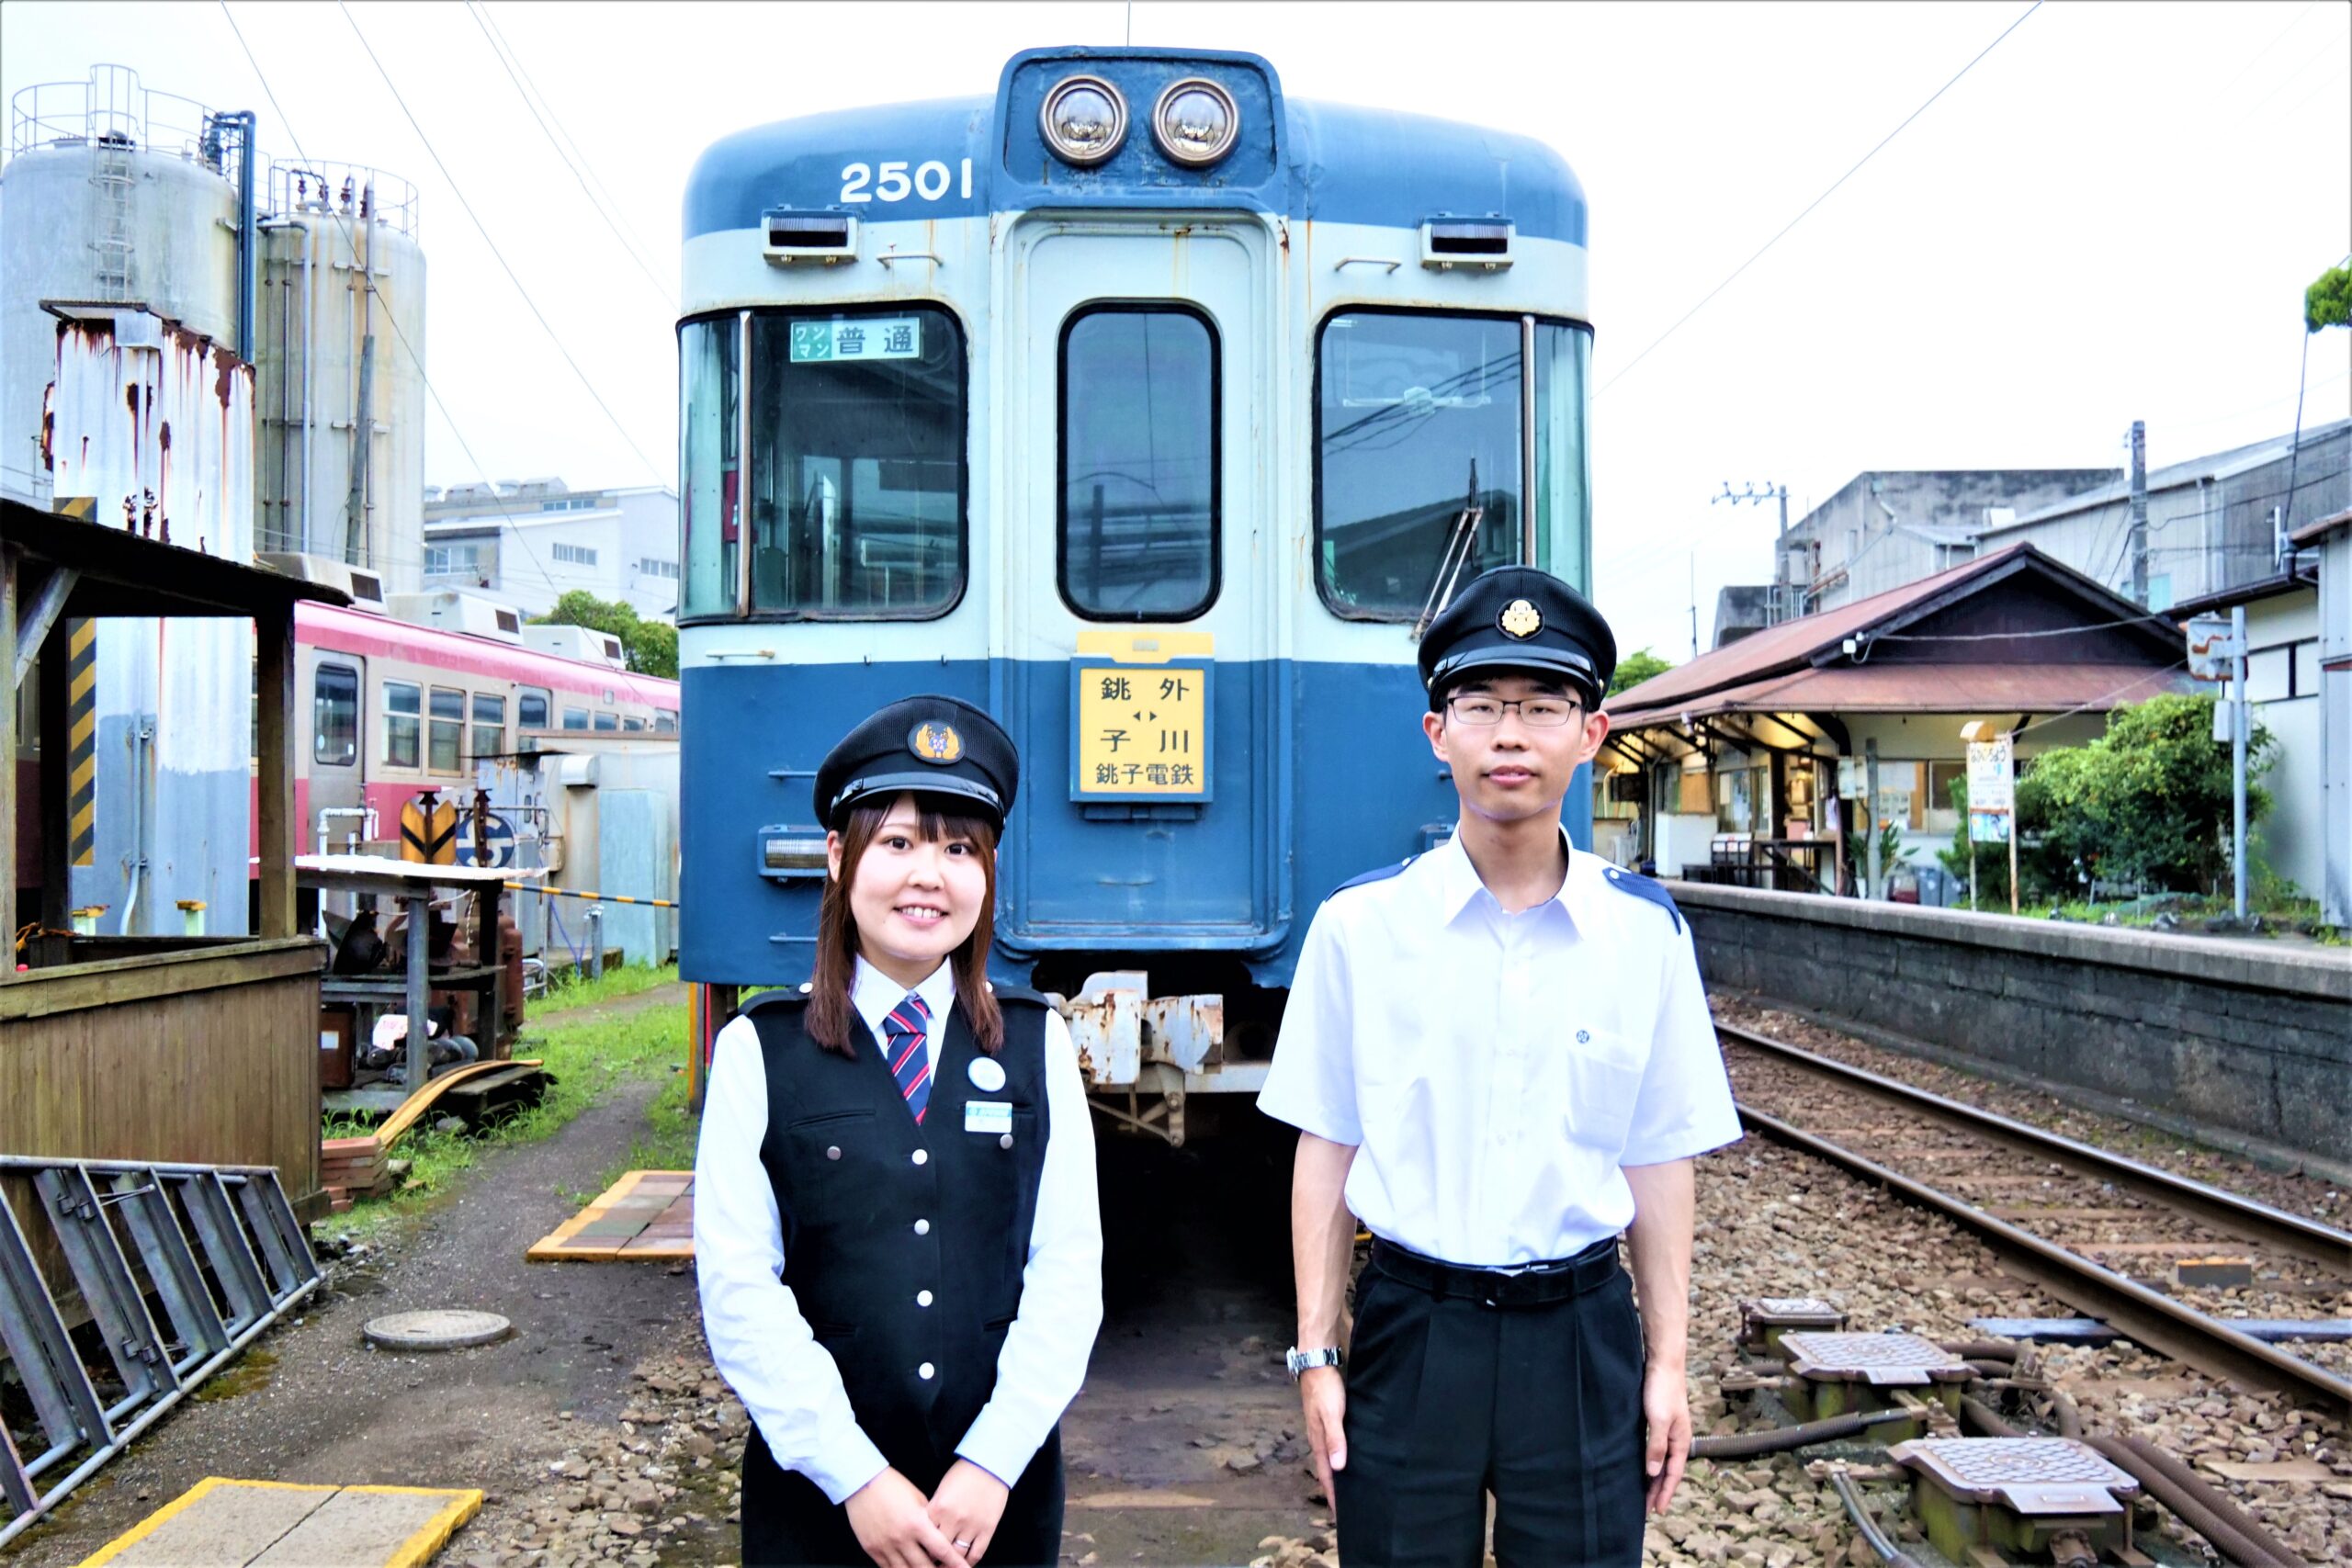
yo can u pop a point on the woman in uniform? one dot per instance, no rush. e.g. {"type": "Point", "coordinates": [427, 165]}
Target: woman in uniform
{"type": "Point", "coordinates": [895, 1232]}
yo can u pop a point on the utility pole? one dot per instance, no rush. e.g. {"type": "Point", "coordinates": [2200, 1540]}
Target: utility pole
{"type": "Point", "coordinates": [2139, 512]}
{"type": "Point", "coordinates": [2239, 725]}
{"type": "Point", "coordinates": [1748, 493]}
{"type": "Point", "coordinates": [1694, 604]}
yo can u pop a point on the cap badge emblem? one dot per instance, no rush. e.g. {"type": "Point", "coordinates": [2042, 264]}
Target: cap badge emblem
{"type": "Point", "coordinates": [936, 742]}
{"type": "Point", "coordinates": [1521, 619]}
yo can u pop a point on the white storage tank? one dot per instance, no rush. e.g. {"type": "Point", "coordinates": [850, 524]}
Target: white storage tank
{"type": "Point", "coordinates": [341, 322]}
{"type": "Point", "coordinates": [110, 196]}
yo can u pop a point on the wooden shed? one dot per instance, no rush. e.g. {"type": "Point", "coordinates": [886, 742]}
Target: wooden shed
{"type": "Point", "coordinates": [193, 1049]}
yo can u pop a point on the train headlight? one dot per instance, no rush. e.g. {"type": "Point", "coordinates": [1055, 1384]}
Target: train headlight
{"type": "Point", "coordinates": [1084, 120]}
{"type": "Point", "coordinates": [1195, 122]}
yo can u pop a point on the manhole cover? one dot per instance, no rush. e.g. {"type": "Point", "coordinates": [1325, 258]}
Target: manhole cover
{"type": "Point", "coordinates": [439, 1329]}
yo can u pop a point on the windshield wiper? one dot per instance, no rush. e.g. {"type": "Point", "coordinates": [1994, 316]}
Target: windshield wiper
{"type": "Point", "coordinates": [1461, 542]}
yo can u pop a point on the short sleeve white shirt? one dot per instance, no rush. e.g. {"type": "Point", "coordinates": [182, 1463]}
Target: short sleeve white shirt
{"type": "Point", "coordinates": [1498, 1072]}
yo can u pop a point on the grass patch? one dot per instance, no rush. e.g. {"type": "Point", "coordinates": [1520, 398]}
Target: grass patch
{"type": "Point", "coordinates": [624, 980]}
{"type": "Point", "coordinates": [587, 1058]}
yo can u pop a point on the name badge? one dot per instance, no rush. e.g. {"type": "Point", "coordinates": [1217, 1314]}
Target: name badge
{"type": "Point", "coordinates": [988, 1116]}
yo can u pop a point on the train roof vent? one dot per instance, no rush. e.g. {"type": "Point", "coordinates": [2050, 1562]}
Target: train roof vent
{"type": "Point", "coordinates": [1480, 243]}
{"type": "Point", "coordinates": [581, 643]}
{"type": "Point", "coordinates": [790, 236]}
{"type": "Point", "coordinates": [364, 588]}
{"type": "Point", "coordinates": [448, 610]}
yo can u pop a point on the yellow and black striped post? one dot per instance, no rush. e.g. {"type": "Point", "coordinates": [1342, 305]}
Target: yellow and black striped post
{"type": "Point", "coordinates": [82, 729]}
{"type": "Point", "coordinates": [593, 897]}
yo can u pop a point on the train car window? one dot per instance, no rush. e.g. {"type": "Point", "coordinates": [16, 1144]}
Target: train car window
{"type": "Point", "coordinates": [1563, 458]}
{"type": "Point", "coordinates": [334, 715]}
{"type": "Point", "coordinates": [856, 493]}
{"type": "Point", "coordinates": [403, 725]}
{"type": "Point", "coordinates": [575, 718]}
{"type": "Point", "coordinates": [665, 721]}
{"type": "Point", "coordinates": [1139, 456]}
{"type": "Point", "coordinates": [531, 710]}
{"type": "Point", "coordinates": [709, 493]}
{"type": "Point", "coordinates": [446, 730]}
{"type": "Point", "coordinates": [490, 726]}
{"type": "Point", "coordinates": [1417, 438]}
{"type": "Point", "coordinates": [632, 724]}
{"type": "Point", "coordinates": [607, 721]}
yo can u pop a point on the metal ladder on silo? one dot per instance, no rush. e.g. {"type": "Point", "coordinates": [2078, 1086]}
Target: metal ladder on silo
{"type": "Point", "coordinates": [110, 172]}
{"type": "Point", "coordinates": [249, 1263]}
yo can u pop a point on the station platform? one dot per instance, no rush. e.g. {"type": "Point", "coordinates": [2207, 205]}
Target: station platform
{"type": "Point", "coordinates": [223, 1523]}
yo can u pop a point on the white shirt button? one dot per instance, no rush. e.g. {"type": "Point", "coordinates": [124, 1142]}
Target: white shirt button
{"type": "Point", "coordinates": [923, 1157]}
{"type": "Point", "coordinates": [923, 1227]}
{"type": "Point", "coordinates": [925, 1371]}
{"type": "Point", "coordinates": [922, 1298]}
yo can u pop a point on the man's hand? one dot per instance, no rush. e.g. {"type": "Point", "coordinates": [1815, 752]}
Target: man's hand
{"type": "Point", "coordinates": [966, 1507]}
{"type": "Point", "coordinates": [1665, 1411]}
{"type": "Point", "coordinates": [891, 1516]}
{"type": "Point", "coordinates": [1325, 1399]}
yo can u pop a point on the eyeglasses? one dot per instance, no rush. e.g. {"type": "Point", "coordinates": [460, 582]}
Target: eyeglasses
{"type": "Point", "coordinates": [1544, 713]}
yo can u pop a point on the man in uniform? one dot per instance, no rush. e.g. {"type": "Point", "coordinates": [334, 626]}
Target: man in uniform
{"type": "Point", "coordinates": [1498, 1057]}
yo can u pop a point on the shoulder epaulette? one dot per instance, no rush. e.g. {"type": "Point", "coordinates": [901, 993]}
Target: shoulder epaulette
{"type": "Point", "coordinates": [1645, 887]}
{"type": "Point", "coordinates": [781, 997]}
{"type": "Point", "coordinates": [1378, 874]}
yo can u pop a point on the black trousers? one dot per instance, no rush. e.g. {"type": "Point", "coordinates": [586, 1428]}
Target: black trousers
{"type": "Point", "coordinates": [1449, 1399]}
{"type": "Point", "coordinates": [789, 1523]}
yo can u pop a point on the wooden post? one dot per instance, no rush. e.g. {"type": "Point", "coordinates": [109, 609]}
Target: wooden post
{"type": "Point", "coordinates": [278, 835]}
{"type": "Point", "coordinates": [56, 777]}
{"type": "Point", "coordinates": [11, 568]}
{"type": "Point", "coordinates": [492, 1028]}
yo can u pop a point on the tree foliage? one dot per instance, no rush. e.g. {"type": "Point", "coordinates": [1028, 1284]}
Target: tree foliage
{"type": "Point", "coordinates": [2329, 302]}
{"type": "Point", "coordinates": [649, 647]}
{"type": "Point", "coordinates": [1635, 667]}
{"type": "Point", "coordinates": [2147, 803]}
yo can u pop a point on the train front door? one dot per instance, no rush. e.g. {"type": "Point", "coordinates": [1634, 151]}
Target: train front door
{"type": "Point", "coordinates": [1137, 665]}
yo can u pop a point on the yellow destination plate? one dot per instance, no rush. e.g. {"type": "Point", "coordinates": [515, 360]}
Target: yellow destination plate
{"type": "Point", "coordinates": [1143, 731]}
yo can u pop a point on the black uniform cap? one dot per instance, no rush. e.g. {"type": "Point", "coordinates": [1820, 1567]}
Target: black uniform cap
{"type": "Point", "coordinates": [1518, 617]}
{"type": "Point", "coordinates": [931, 744]}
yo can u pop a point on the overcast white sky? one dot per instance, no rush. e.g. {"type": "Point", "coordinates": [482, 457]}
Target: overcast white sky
{"type": "Point", "coordinates": [2112, 217]}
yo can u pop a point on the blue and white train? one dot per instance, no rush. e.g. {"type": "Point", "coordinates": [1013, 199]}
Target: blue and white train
{"type": "Point", "coordinates": [1153, 411]}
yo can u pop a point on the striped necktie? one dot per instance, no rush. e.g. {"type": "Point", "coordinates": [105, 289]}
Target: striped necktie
{"type": "Point", "coordinates": [903, 1032]}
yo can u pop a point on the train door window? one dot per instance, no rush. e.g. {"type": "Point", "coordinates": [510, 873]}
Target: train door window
{"type": "Point", "coordinates": [446, 730]}
{"type": "Point", "coordinates": [531, 710]}
{"type": "Point", "coordinates": [575, 718]}
{"type": "Point", "coordinates": [607, 720]}
{"type": "Point", "coordinates": [1138, 476]}
{"type": "Point", "coordinates": [665, 721]}
{"type": "Point", "coordinates": [334, 715]}
{"type": "Point", "coordinates": [856, 492]}
{"type": "Point", "coordinates": [403, 724]}
{"type": "Point", "coordinates": [1417, 456]}
{"type": "Point", "coordinates": [490, 726]}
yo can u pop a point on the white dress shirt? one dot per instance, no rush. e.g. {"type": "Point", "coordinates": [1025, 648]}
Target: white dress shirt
{"type": "Point", "coordinates": [1494, 1071]}
{"type": "Point", "coordinates": [762, 1344]}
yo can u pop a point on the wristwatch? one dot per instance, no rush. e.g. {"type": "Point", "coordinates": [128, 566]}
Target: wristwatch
{"type": "Point", "coordinates": [1301, 1361]}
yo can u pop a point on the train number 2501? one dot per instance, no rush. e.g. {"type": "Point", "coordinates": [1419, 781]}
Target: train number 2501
{"type": "Point", "coordinates": [899, 179]}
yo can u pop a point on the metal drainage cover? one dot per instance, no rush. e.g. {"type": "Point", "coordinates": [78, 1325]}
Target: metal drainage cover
{"type": "Point", "coordinates": [441, 1328]}
{"type": "Point", "coordinates": [1872, 1357]}
{"type": "Point", "coordinates": [2031, 1475]}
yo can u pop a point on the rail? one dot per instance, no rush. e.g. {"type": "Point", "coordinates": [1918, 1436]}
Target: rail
{"type": "Point", "coordinates": [2146, 1316]}
{"type": "Point", "coordinates": [2233, 1212]}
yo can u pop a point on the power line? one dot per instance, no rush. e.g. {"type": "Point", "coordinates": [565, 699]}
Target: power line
{"type": "Point", "coordinates": [483, 231]}
{"type": "Point", "coordinates": [511, 67]}
{"type": "Point", "coordinates": [1817, 200]}
{"type": "Point", "coordinates": [415, 360]}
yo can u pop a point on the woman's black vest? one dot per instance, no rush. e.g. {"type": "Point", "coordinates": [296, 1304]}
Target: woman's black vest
{"type": "Point", "coordinates": [881, 1217]}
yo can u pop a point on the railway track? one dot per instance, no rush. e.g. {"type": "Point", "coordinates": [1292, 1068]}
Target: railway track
{"type": "Point", "coordinates": [2093, 1228]}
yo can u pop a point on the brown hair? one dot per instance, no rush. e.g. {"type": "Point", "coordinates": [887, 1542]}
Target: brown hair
{"type": "Point", "coordinates": [829, 1009]}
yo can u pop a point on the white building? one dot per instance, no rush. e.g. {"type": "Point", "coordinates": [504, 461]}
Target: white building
{"type": "Point", "coordinates": [2330, 541]}
{"type": "Point", "coordinates": [528, 542]}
